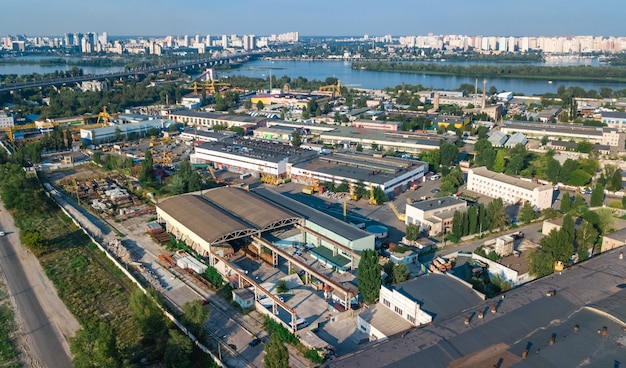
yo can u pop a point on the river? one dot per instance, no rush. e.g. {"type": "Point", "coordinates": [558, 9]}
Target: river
{"type": "Point", "coordinates": [21, 69]}
{"type": "Point", "coordinates": [342, 70]}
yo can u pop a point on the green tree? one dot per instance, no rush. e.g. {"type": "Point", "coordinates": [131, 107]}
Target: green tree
{"type": "Point", "coordinates": [195, 316]}
{"type": "Point", "coordinates": [306, 114]}
{"type": "Point", "coordinates": [457, 226]}
{"type": "Point", "coordinates": [566, 203]}
{"type": "Point", "coordinates": [177, 350]}
{"type": "Point", "coordinates": [472, 215]}
{"type": "Point", "coordinates": [448, 153]}
{"type": "Point", "coordinates": [569, 229]}
{"type": "Point", "coordinates": [260, 105]}
{"type": "Point", "coordinates": [578, 178]}
{"type": "Point", "coordinates": [97, 157]}
{"type": "Point", "coordinates": [544, 140]}
{"type": "Point", "coordinates": [616, 181]}
{"type": "Point", "coordinates": [515, 165]}
{"type": "Point", "coordinates": [597, 196]}
{"type": "Point", "coordinates": [368, 276]}
{"type": "Point", "coordinates": [586, 237]}
{"type": "Point", "coordinates": [247, 104]}
{"type": "Point", "coordinates": [541, 263]}
{"type": "Point", "coordinates": [147, 315]}
{"type": "Point", "coordinates": [95, 347]}
{"type": "Point", "coordinates": [499, 163]}
{"type": "Point", "coordinates": [359, 147]}
{"type": "Point", "coordinates": [276, 353]}
{"type": "Point", "coordinates": [400, 273]}
{"type": "Point", "coordinates": [579, 204]}
{"type": "Point", "coordinates": [296, 139]}
{"type": "Point", "coordinates": [195, 183]}
{"type": "Point", "coordinates": [451, 182]}
{"type": "Point", "coordinates": [584, 146]}
{"type": "Point", "coordinates": [527, 213]}
{"type": "Point", "coordinates": [553, 170]}
{"type": "Point", "coordinates": [388, 270]}
{"type": "Point", "coordinates": [281, 286]}
{"type": "Point", "coordinates": [147, 168]}
{"type": "Point", "coordinates": [412, 231]}
{"type": "Point", "coordinates": [35, 241]}
{"type": "Point", "coordinates": [557, 243]}
{"type": "Point", "coordinates": [360, 191]}
{"type": "Point", "coordinates": [495, 213]}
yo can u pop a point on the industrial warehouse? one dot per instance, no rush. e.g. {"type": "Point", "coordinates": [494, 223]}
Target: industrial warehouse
{"type": "Point", "coordinates": [261, 158]}
{"type": "Point", "coordinates": [271, 228]}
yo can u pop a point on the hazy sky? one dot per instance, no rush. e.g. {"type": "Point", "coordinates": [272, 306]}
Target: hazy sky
{"type": "Point", "coordinates": [317, 17]}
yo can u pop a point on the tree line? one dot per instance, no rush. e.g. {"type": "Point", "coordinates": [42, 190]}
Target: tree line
{"type": "Point", "coordinates": [574, 73]}
{"type": "Point", "coordinates": [478, 219]}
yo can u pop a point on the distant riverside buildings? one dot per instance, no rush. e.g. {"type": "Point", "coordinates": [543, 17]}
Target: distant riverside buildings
{"type": "Point", "coordinates": [92, 42]}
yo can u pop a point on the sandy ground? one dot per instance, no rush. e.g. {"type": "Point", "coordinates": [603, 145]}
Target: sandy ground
{"type": "Point", "coordinates": [64, 322]}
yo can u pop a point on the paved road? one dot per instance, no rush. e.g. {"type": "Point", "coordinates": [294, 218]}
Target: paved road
{"type": "Point", "coordinates": [50, 349]}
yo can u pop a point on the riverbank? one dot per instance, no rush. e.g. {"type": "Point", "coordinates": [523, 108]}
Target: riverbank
{"type": "Point", "coordinates": [530, 72]}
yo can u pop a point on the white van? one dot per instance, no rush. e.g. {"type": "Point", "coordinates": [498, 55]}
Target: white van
{"type": "Point", "coordinates": [435, 177]}
{"type": "Point", "coordinates": [301, 323]}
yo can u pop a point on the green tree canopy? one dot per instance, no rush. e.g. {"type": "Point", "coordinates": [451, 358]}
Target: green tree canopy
{"type": "Point", "coordinates": [499, 163]}
{"type": "Point", "coordinates": [368, 276]}
{"type": "Point", "coordinates": [95, 347]}
{"type": "Point", "coordinates": [597, 196]}
{"type": "Point", "coordinates": [177, 350]}
{"type": "Point", "coordinates": [276, 353]}
{"type": "Point", "coordinates": [195, 316]}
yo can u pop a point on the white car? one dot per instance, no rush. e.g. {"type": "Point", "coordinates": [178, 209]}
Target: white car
{"type": "Point", "coordinates": [2, 233]}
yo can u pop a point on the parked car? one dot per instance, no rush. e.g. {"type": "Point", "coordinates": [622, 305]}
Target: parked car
{"type": "Point", "coordinates": [256, 341]}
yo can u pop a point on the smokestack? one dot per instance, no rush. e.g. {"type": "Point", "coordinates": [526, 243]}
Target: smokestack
{"type": "Point", "coordinates": [484, 93]}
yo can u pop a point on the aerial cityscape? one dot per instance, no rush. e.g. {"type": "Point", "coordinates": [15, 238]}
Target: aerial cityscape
{"type": "Point", "coordinates": [332, 185]}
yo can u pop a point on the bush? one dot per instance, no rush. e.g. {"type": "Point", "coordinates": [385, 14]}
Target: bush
{"type": "Point", "coordinates": [275, 328]}
{"type": "Point", "coordinates": [281, 286]}
{"type": "Point", "coordinates": [314, 356]}
{"type": "Point", "coordinates": [213, 276]}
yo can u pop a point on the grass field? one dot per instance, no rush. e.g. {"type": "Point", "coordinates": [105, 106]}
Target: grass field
{"type": "Point", "coordinates": [89, 284]}
{"type": "Point", "coordinates": [9, 356]}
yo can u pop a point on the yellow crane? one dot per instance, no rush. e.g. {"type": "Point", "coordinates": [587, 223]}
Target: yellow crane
{"type": "Point", "coordinates": [104, 117]}
{"type": "Point", "coordinates": [334, 88]}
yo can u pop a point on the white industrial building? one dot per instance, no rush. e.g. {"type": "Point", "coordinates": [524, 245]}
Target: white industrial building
{"type": "Point", "coordinates": [394, 313]}
{"type": "Point", "coordinates": [241, 155]}
{"type": "Point", "coordinates": [211, 119]}
{"type": "Point", "coordinates": [434, 215]}
{"type": "Point", "coordinates": [600, 135]}
{"type": "Point", "coordinates": [509, 188]}
{"type": "Point", "coordinates": [111, 133]}
{"type": "Point", "coordinates": [391, 174]}
{"type": "Point", "coordinates": [7, 120]}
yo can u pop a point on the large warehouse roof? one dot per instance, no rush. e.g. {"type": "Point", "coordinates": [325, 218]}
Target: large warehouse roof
{"type": "Point", "coordinates": [226, 213]}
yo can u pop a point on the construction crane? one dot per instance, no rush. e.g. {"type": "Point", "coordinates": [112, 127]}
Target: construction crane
{"type": "Point", "coordinates": [336, 88]}
{"type": "Point", "coordinates": [104, 117]}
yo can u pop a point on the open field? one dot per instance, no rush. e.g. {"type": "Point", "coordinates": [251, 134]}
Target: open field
{"type": "Point", "coordinates": [89, 284]}
{"type": "Point", "coordinates": [9, 356]}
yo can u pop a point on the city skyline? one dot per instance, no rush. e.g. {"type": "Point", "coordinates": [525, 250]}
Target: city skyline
{"type": "Point", "coordinates": [347, 18]}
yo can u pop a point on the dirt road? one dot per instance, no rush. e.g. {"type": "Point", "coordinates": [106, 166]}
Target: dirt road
{"type": "Point", "coordinates": [44, 323]}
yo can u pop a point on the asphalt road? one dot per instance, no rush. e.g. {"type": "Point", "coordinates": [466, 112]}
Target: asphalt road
{"type": "Point", "coordinates": [44, 336]}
